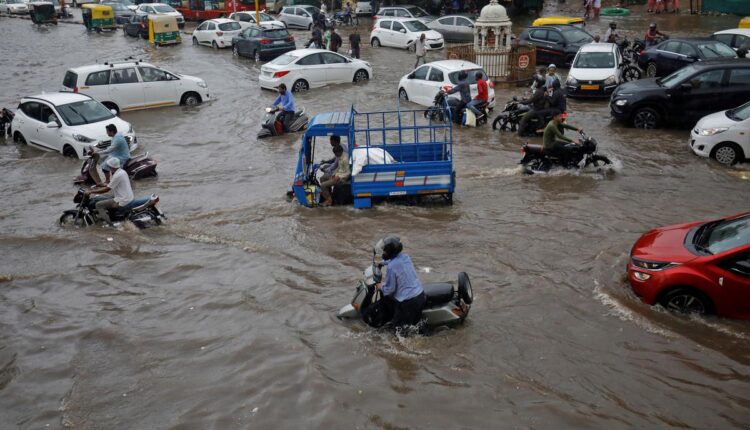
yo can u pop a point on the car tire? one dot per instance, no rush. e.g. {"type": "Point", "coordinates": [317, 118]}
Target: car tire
{"type": "Point", "coordinates": [18, 138]}
{"type": "Point", "coordinates": [361, 75]}
{"type": "Point", "coordinates": [300, 85]}
{"type": "Point", "coordinates": [651, 70]}
{"type": "Point", "coordinates": [402, 95]}
{"type": "Point", "coordinates": [727, 153]}
{"type": "Point", "coordinates": [110, 105]}
{"type": "Point", "coordinates": [309, 27]}
{"type": "Point", "coordinates": [68, 151]}
{"type": "Point", "coordinates": [687, 300]}
{"type": "Point", "coordinates": [646, 118]}
{"type": "Point", "coordinates": [195, 41]}
{"type": "Point", "coordinates": [235, 50]}
{"type": "Point", "coordinates": [190, 99]}
{"type": "Point", "coordinates": [375, 42]}
{"type": "Point", "coordinates": [214, 45]}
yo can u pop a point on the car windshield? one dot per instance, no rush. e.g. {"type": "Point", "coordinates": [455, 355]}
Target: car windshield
{"type": "Point", "coordinates": [230, 26]}
{"type": "Point", "coordinates": [594, 60]}
{"type": "Point", "coordinates": [84, 112]}
{"type": "Point", "coordinates": [283, 60]}
{"type": "Point", "coordinates": [265, 17]}
{"type": "Point", "coordinates": [116, 6]}
{"type": "Point", "coordinates": [470, 78]}
{"type": "Point", "coordinates": [677, 77]}
{"type": "Point", "coordinates": [162, 8]}
{"type": "Point", "coordinates": [725, 235]}
{"type": "Point", "coordinates": [417, 12]}
{"type": "Point", "coordinates": [575, 35]}
{"type": "Point", "coordinates": [415, 26]}
{"type": "Point", "coordinates": [739, 114]}
{"type": "Point", "coordinates": [311, 9]}
{"type": "Point", "coordinates": [715, 50]}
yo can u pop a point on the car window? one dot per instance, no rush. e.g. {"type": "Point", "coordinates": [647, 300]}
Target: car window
{"type": "Point", "coordinates": [421, 73]}
{"type": "Point", "coordinates": [163, 8]}
{"type": "Point", "coordinates": [574, 35]}
{"type": "Point", "coordinates": [470, 78]}
{"type": "Point", "coordinates": [123, 76]}
{"type": "Point", "coordinates": [276, 33]}
{"type": "Point", "coordinates": [302, 12]}
{"type": "Point", "coordinates": [397, 26]}
{"type": "Point", "coordinates": [389, 12]}
{"type": "Point", "coordinates": [283, 60]}
{"type": "Point", "coordinates": [671, 46]}
{"type": "Point", "coordinates": [447, 21]}
{"type": "Point", "coordinates": [255, 32]}
{"type": "Point", "coordinates": [715, 50]}
{"type": "Point", "coordinates": [728, 235]}
{"type": "Point", "coordinates": [310, 60]}
{"type": "Point", "coordinates": [705, 80]}
{"type": "Point", "coordinates": [32, 110]}
{"type": "Point", "coordinates": [724, 38]}
{"type": "Point", "coordinates": [385, 25]}
{"type": "Point", "coordinates": [739, 265]}
{"type": "Point", "coordinates": [686, 49]}
{"type": "Point", "coordinates": [739, 77]}
{"type": "Point", "coordinates": [98, 78]}
{"type": "Point", "coordinates": [739, 114]}
{"type": "Point", "coordinates": [741, 41]}
{"type": "Point", "coordinates": [594, 60]}
{"type": "Point", "coordinates": [229, 26]}
{"type": "Point", "coordinates": [436, 75]}
{"type": "Point", "coordinates": [288, 10]}
{"type": "Point", "coordinates": [415, 26]}
{"type": "Point", "coordinates": [554, 36]}
{"type": "Point", "coordinates": [263, 17]}
{"type": "Point", "coordinates": [538, 34]}
{"type": "Point", "coordinates": [135, 19]}
{"type": "Point", "coordinates": [47, 114]}
{"type": "Point", "coordinates": [211, 26]}
{"type": "Point", "coordinates": [150, 74]}
{"type": "Point", "coordinates": [417, 12]}
{"type": "Point", "coordinates": [401, 13]}
{"type": "Point", "coordinates": [202, 26]}
{"type": "Point", "coordinates": [331, 58]}
{"type": "Point", "coordinates": [463, 22]}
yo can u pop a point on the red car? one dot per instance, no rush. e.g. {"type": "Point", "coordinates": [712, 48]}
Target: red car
{"type": "Point", "coordinates": [700, 267]}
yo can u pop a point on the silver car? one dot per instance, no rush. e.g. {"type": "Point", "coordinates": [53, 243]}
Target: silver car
{"type": "Point", "coordinates": [298, 16]}
{"type": "Point", "coordinates": [454, 28]}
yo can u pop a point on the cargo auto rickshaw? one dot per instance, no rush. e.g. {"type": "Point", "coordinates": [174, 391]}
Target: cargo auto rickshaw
{"type": "Point", "coordinates": [163, 30]}
{"type": "Point", "coordinates": [98, 17]}
{"type": "Point", "coordinates": [42, 13]}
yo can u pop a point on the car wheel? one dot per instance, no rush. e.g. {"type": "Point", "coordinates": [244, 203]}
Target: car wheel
{"type": "Point", "coordinates": [727, 153]}
{"type": "Point", "coordinates": [402, 95]}
{"type": "Point", "coordinates": [309, 27]}
{"type": "Point", "coordinates": [300, 85]}
{"type": "Point", "coordinates": [361, 75]}
{"type": "Point", "coordinates": [256, 56]}
{"type": "Point", "coordinates": [651, 69]}
{"type": "Point", "coordinates": [235, 50]}
{"type": "Point", "coordinates": [18, 138]}
{"type": "Point", "coordinates": [195, 41]}
{"type": "Point", "coordinates": [214, 45]}
{"type": "Point", "coordinates": [68, 151]}
{"type": "Point", "coordinates": [687, 301]}
{"type": "Point", "coordinates": [190, 99]}
{"type": "Point", "coordinates": [375, 42]}
{"type": "Point", "coordinates": [646, 118]}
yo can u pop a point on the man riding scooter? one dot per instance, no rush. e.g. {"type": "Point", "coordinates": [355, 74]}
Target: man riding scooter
{"type": "Point", "coordinates": [482, 99]}
{"type": "Point", "coordinates": [287, 106]}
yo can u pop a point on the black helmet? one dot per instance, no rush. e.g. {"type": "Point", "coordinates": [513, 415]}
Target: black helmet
{"type": "Point", "coordinates": [390, 246]}
{"type": "Point", "coordinates": [612, 24]}
{"type": "Point", "coordinates": [556, 84]}
{"type": "Point", "coordinates": [462, 75]}
{"type": "Point", "coordinates": [652, 26]}
{"type": "Point", "coordinates": [540, 81]}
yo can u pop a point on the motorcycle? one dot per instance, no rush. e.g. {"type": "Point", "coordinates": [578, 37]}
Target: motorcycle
{"type": "Point", "coordinates": [446, 304]}
{"type": "Point", "coordinates": [572, 157]}
{"type": "Point", "coordinates": [629, 65]}
{"type": "Point", "coordinates": [141, 212]}
{"type": "Point", "coordinates": [514, 111]}
{"type": "Point", "coordinates": [341, 18]}
{"type": "Point", "coordinates": [443, 104]}
{"type": "Point", "coordinates": [138, 167]}
{"type": "Point", "coordinates": [273, 126]}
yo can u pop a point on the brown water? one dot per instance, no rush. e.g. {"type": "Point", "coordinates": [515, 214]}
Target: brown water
{"type": "Point", "coordinates": [224, 318]}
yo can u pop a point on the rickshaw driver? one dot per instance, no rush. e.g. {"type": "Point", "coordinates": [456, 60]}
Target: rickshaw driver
{"type": "Point", "coordinates": [287, 106]}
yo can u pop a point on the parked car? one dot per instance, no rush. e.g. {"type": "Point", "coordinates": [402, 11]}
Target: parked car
{"type": "Point", "coordinates": [275, 6]}
{"type": "Point", "coordinates": [135, 85]}
{"type": "Point", "coordinates": [735, 38]}
{"type": "Point", "coordinates": [137, 26]}
{"type": "Point", "coordinates": [595, 71]}
{"type": "Point", "coordinates": [556, 44]}
{"type": "Point", "coordinates": [260, 43]}
{"type": "Point", "coordinates": [160, 9]}
{"type": "Point", "coordinates": [363, 8]}
{"type": "Point", "coordinates": [454, 28]}
{"type": "Point", "coordinates": [674, 54]}
{"type": "Point", "coordinates": [122, 13]}
{"type": "Point", "coordinates": [422, 84]}
{"type": "Point", "coordinates": [303, 69]}
{"type": "Point", "coordinates": [217, 33]}
{"type": "Point", "coordinates": [65, 122]}
{"type": "Point", "coordinates": [14, 7]}
{"type": "Point", "coordinates": [127, 3]}
{"type": "Point", "coordinates": [247, 19]}
{"type": "Point", "coordinates": [298, 16]}
{"type": "Point", "coordinates": [402, 33]}
{"type": "Point", "coordinates": [684, 96]}
{"type": "Point", "coordinates": [699, 267]}
{"type": "Point", "coordinates": [404, 11]}
{"type": "Point", "coordinates": [724, 136]}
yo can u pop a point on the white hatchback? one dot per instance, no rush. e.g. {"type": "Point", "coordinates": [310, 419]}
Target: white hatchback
{"type": "Point", "coordinates": [421, 85]}
{"type": "Point", "coordinates": [14, 7]}
{"type": "Point", "coordinates": [303, 69]}
{"type": "Point", "coordinates": [595, 71]}
{"type": "Point", "coordinates": [160, 9]}
{"type": "Point", "coordinates": [723, 136]}
{"type": "Point", "coordinates": [217, 33]}
{"type": "Point", "coordinates": [402, 33]}
{"type": "Point", "coordinates": [247, 19]}
{"type": "Point", "coordinates": [66, 122]}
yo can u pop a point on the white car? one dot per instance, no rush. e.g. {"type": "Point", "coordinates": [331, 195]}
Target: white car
{"type": "Point", "coordinates": [723, 136]}
{"type": "Point", "coordinates": [14, 7]}
{"type": "Point", "coordinates": [404, 11]}
{"type": "Point", "coordinates": [736, 38]}
{"type": "Point", "coordinates": [135, 85]}
{"type": "Point", "coordinates": [298, 16]}
{"type": "Point", "coordinates": [160, 9]}
{"type": "Point", "coordinates": [68, 123]}
{"type": "Point", "coordinates": [217, 33]}
{"type": "Point", "coordinates": [595, 71]}
{"type": "Point", "coordinates": [363, 8]}
{"type": "Point", "coordinates": [303, 69]}
{"type": "Point", "coordinates": [402, 33]}
{"type": "Point", "coordinates": [247, 19]}
{"type": "Point", "coordinates": [421, 85]}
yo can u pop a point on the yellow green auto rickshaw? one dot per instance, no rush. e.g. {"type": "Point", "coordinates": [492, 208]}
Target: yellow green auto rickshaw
{"type": "Point", "coordinates": [745, 22]}
{"type": "Point", "coordinates": [42, 13]}
{"type": "Point", "coordinates": [163, 30]}
{"type": "Point", "coordinates": [98, 17]}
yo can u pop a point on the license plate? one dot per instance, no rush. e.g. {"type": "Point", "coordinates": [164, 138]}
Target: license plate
{"type": "Point", "coordinates": [590, 87]}
{"type": "Point", "coordinates": [278, 42]}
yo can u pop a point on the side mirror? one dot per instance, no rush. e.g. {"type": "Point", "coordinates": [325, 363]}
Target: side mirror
{"type": "Point", "coordinates": [53, 124]}
{"type": "Point", "coordinates": [403, 30]}
{"type": "Point", "coordinates": [114, 112]}
{"type": "Point", "coordinates": [471, 25]}
{"type": "Point", "coordinates": [686, 87]}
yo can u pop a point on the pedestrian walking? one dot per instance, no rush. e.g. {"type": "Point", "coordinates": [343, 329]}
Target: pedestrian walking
{"type": "Point", "coordinates": [327, 39]}
{"type": "Point", "coordinates": [354, 41]}
{"type": "Point", "coordinates": [420, 50]}
{"type": "Point", "coordinates": [597, 8]}
{"type": "Point", "coordinates": [336, 41]}
{"type": "Point", "coordinates": [589, 5]}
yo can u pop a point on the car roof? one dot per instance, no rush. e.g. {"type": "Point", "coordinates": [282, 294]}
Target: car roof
{"type": "Point", "coordinates": [220, 20]}
{"type": "Point", "coordinates": [58, 98]}
{"type": "Point", "coordinates": [721, 62]}
{"type": "Point", "coordinates": [107, 65]}
{"type": "Point", "coordinates": [598, 47]}
{"type": "Point", "coordinates": [306, 51]}
{"type": "Point", "coordinates": [451, 16]}
{"type": "Point", "coordinates": [454, 65]}
{"type": "Point", "coordinates": [692, 39]}
{"type": "Point", "coordinates": [399, 18]}
{"type": "Point", "coordinates": [399, 6]}
{"type": "Point", "coordinates": [555, 26]}
{"type": "Point", "coordinates": [742, 31]}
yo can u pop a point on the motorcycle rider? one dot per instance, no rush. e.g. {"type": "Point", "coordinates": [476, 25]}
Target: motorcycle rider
{"type": "Point", "coordinates": [554, 139]}
{"type": "Point", "coordinates": [338, 175]}
{"type": "Point", "coordinates": [287, 106]}
{"type": "Point", "coordinates": [551, 76]}
{"type": "Point", "coordinates": [541, 75]}
{"type": "Point", "coordinates": [118, 149]}
{"type": "Point", "coordinates": [652, 35]}
{"type": "Point", "coordinates": [538, 103]}
{"type": "Point", "coordinates": [121, 189]}
{"type": "Point", "coordinates": [464, 89]}
{"type": "Point", "coordinates": [401, 283]}
{"type": "Point", "coordinates": [611, 35]}
{"type": "Point", "coordinates": [557, 99]}
{"type": "Point", "coordinates": [482, 98]}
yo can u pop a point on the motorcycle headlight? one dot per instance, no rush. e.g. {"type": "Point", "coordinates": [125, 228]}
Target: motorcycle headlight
{"type": "Point", "coordinates": [610, 80]}
{"type": "Point", "coordinates": [571, 80]}
{"type": "Point", "coordinates": [202, 84]}
{"type": "Point", "coordinates": [652, 265]}
{"type": "Point", "coordinates": [82, 138]}
{"type": "Point", "coordinates": [712, 131]}
{"type": "Point", "coordinates": [621, 102]}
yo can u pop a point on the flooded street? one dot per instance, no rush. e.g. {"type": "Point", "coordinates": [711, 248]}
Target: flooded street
{"type": "Point", "coordinates": [224, 318]}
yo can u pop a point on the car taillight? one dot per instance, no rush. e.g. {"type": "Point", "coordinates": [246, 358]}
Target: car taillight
{"type": "Point", "coordinates": [264, 41]}
{"type": "Point", "coordinates": [219, 33]}
{"type": "Point", "coordinates": [75, 89]}
{"type": "Point", "coordinates": [491, 84]}
{"type": "Point", "coordinates": [280, 74]}
{"type": "Point", "coordinates": [290, 38]}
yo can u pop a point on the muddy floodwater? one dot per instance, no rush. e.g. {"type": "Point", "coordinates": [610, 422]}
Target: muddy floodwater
{"type": "Point", "coordinates": [224, 318]}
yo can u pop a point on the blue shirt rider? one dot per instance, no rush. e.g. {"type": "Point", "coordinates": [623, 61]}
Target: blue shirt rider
{"type": "Point", "coordinates": [401, 283]}
{"type": "Point", "coordinates": [118, 148]}
{"type": "Point", "coordinates": [286, 101]}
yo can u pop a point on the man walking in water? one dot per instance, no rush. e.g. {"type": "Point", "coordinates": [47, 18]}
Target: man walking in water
{"type": "Point", "coordinates": [420, 50]}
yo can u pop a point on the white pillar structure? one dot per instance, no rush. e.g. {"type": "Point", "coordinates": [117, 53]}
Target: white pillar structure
{"type": "Point", "coordinates": [492, 35]}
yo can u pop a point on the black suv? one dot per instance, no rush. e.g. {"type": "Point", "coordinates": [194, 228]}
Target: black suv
{"type": "Point", "coordinates": [685, 96]}
{"type": "Point", "coordinates": [556, 44]}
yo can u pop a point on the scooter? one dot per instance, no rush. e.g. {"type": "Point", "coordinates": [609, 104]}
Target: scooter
{"type": "Point", "coordinates": [141, 212]}
{"type": "Point", "coordinates": [446, 304]}
{"type": "Point", "coordinates": [442, 104]}
{"type": "Point", "coordinates": [138, 167]}
{"type": "Point", "coordinates": [272, 126]}
{"type": "Point", "coordinates": [572, 157]}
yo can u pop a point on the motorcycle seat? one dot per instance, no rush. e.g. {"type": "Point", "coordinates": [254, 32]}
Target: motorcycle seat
{"type": "Point", "coordinates": [438, 293]}
{"type": "Point", "coordinates": [533, 149]}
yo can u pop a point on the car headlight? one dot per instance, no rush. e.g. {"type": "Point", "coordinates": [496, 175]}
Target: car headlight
{"type": "Point", "coordinates": [202, 84]}
{"type": "Point", "coordinates": [82, 138]}
{"type": "Point", "coordinates": [652, 265]}
{"type": "Point", "coordinates": [621, 102]}
{"type": "Point", "coordinates": [641, 276]}
{"type": "Point", "coordinates": [712, 131]}
{"type": "Point", "coordinates": [610, 80]}
{"type": "Point", "coordinates": [571, 80]}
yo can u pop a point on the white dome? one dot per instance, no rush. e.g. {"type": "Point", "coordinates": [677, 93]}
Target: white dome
{"type": "Point", "coordinates": [493, 13]}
